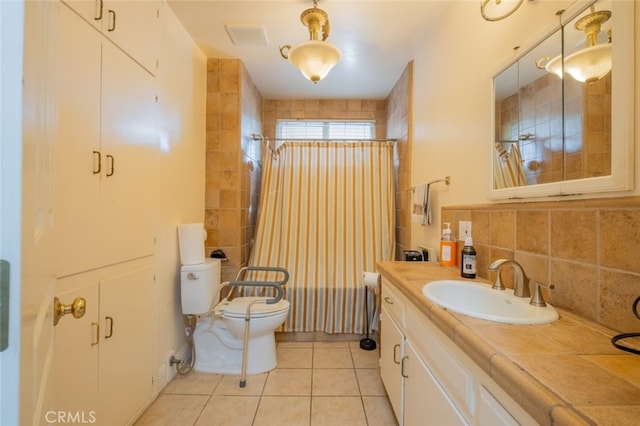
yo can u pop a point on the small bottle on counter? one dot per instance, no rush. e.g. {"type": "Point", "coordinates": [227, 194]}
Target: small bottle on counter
{"type": "Point", "coordinates": [468, 263]}
{"type": "Point", "coordinates": [448, 244]}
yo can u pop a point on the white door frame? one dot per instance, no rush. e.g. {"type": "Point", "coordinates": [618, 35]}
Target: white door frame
{"type": "Point", "coordinates": [11, 51]}
{"type": "Point", "coordinates": [28, 109]}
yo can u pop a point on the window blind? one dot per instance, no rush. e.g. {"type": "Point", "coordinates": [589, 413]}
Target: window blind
{"type": "Point", "coordinates": [325, 129]}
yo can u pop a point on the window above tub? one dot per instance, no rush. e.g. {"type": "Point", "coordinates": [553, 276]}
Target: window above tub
{"type": "Point", "coordinates": [326, 129]}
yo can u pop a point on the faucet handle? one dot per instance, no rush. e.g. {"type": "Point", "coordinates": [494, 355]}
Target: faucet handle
{"type": "Point", "coordinates": [537, 299]}
{"type": "Point", "coordinates": [498, 284]}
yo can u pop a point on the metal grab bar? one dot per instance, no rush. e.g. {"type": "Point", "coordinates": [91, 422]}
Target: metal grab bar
{"type": "Point", "coordinates": [245, 343]}
{"type": "Point", "coordinates": [279, 293]}
{"type": "Point", "coordinates": [275, 284]}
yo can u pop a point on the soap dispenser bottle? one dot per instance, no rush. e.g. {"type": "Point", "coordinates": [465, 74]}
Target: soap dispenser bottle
{"type": "Point", "coordinates": [468, 263]}
{"type": "Point", "coordinates": [447, 247]}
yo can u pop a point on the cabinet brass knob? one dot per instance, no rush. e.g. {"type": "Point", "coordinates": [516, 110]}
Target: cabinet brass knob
{"type": "Point", "coordinates": [77, 309]}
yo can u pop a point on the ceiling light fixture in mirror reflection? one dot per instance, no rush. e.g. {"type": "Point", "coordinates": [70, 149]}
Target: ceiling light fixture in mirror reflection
{"type": "Point", "coordinates": [551, 128]}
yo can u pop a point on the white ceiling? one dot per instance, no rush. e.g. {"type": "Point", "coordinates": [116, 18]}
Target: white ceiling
{"type": "Point", "coordinates": [377, 39]}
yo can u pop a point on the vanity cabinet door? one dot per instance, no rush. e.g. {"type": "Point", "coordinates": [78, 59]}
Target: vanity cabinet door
{"type": "Point", "coordinates": [491, 412]}
{"type": "Point", "coordinates": [425, 401]}
{"type": "Point", "coordinates": [391, 354]}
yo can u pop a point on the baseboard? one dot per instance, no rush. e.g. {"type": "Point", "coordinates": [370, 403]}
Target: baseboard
{"type": "Point", "coordinates": [165, 373]}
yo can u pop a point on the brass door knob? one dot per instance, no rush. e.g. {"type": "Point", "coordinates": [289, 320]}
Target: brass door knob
{"type": "Point", "coordinates": [77, 309]}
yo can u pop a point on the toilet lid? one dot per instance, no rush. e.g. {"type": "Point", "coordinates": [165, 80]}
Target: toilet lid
{"type": "Point", "coordinates": [237, 308]}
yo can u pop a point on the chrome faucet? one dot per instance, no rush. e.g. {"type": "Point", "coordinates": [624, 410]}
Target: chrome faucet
{"type": "Point", "coordinates": [521, 286]}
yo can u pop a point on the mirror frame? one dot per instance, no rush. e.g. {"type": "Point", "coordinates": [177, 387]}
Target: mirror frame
{"type": "Point", "coordinates": [622, 111]}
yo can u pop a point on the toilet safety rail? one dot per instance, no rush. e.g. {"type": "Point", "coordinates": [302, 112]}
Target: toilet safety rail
{"type": "Point", "coordinates": [238, 282]}
{"type": "Point", "coordinates": [277, 285]}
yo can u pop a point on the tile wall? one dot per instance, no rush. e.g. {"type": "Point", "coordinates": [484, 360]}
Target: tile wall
{"type": "Point", "coordinates": [233, 171]}
{"type": "Point", "coordinates": [236, 111]}
{"type": "Point", "coordinates": [536, 109]}
{"type": "Point", "coordinates": [336, 109]}
{"type": "Point", "coordinates": [597, 131]}
{"type": "Point", "coordinates": [588, 249]}
{"type": "Point", "coordinates": [399, 128]}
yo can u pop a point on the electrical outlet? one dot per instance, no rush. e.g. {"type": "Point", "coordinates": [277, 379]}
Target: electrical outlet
{"type": "Point", "coordinates": [464, 227]}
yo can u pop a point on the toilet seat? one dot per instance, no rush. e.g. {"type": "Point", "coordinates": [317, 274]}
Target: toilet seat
{"type": "Point", "coordinates": [237, 308]}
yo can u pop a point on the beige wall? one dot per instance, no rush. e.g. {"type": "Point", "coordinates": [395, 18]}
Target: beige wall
{"type": "Point", "coordinates": [572, 244]}
{"type": "Point", "coordinates": [233, 170]}
{"type": "Point", "coordinates": [181, 81]}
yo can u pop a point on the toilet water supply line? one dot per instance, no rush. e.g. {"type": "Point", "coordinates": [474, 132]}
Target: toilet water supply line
{"type": "Point", "coordinates": [189, 329]}
{"type": "Point", "coordinates": [185, 367]}
{"type": "Point", "coordinates": [191, 320]}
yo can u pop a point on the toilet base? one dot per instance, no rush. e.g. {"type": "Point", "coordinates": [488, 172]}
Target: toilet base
{"type": "Point", "coordinates": [218, 351]}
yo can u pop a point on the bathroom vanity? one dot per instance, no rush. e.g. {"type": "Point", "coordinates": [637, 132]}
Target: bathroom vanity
{"type": "Point", "coordinates": [453, 369]}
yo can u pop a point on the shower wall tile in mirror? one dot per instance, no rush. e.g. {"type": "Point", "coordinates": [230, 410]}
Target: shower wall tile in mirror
{"type": "Point", "coordinates": [532, 118]}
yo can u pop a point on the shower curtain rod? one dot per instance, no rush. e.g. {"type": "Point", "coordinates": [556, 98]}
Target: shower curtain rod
{"type": "Point", "coordinates": [257, 137]}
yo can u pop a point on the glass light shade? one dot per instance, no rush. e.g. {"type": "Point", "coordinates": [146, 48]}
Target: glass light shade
{"type": "Point", "coordinates": [314, 58]}
{"type": "Point", "coordinates": [589, 64]}
{"type": "Point", "coordinates": [554, 66]}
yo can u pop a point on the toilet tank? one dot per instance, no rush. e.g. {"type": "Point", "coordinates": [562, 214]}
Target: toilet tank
{"type": "Point", "coordinates": [200, 285]}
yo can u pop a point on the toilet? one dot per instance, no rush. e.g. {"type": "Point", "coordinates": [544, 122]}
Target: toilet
{"type": "Point", "coordinates": [219, 332]}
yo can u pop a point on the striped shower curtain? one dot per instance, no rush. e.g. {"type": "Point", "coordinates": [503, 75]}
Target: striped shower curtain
{"type": "Point", "coordinates": [507, 167]}
{"type": "Point", "coordinates": [326, 215]}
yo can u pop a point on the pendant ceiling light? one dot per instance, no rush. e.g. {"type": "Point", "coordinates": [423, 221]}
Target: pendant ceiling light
{"type": "Point", "coordinates": [590, 63]}
{"type": "Point", "coordinates": [314, 58]}
{"type": "Point", "coordinates": [594, 61]}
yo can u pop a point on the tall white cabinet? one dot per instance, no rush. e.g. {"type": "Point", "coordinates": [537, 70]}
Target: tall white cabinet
{"type": "Point", "coordinates": [105, 210]}
{"type": "Point", "coordinates": [106, 151]}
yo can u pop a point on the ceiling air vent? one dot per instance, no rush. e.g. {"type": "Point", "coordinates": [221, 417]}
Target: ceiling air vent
{"type": "Point", "coordinates": [247, 34]}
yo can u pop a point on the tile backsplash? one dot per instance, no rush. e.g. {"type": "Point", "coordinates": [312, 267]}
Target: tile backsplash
{"type": "Point", "coordinates": [589, 250]}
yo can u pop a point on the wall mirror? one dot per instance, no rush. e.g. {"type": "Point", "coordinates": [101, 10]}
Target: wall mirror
{"type": "Point", "coordinates": [563, 111]}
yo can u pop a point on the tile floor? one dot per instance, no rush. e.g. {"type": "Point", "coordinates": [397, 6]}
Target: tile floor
{"type": "Point", "coordinates": [315, 383]}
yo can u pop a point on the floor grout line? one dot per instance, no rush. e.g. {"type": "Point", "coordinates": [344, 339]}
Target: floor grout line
{"type": "Point", "coordinates": [358, 362]}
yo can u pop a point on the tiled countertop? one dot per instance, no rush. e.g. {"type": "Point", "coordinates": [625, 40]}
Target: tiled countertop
{"type": "Point", "coordinates": [564, 373]}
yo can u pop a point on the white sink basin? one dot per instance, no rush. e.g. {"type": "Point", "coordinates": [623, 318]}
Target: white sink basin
{"type": "Point", "coordinates": [479, 300]}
